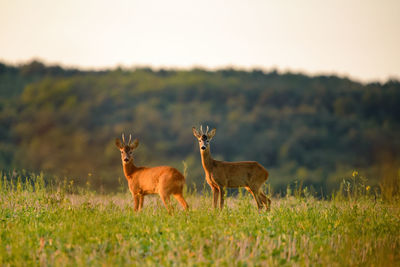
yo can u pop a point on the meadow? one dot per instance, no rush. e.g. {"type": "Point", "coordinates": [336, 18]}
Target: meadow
{"type": "Point", "coordinates": [62, 225]}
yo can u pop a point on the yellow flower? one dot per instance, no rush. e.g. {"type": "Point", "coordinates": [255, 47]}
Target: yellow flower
{"type": "Point", "coordinates": [367, 188]}
{"type": "Point", "coordinates": [355, 173]}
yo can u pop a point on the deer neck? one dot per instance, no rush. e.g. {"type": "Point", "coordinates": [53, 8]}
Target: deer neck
{"type": "Point", "coordinates": [206, 159]}
{"type": "Point", "coordinates": [129, 169]}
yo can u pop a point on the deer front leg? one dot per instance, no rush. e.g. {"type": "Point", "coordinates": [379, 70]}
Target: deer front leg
{"type": "Point", "coordinates": [215, 196]}
{"type": "Point", "coordinates": [221, 197]}
{"type": "Point", "coordinates": [134, 197]}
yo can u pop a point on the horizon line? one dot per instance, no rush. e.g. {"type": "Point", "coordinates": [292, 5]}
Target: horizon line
{"type": "Point", "coordinates": [264, 69]}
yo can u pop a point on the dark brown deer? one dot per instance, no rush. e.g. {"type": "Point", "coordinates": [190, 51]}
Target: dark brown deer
{"type": "Point", "coordinates": [162, 180]}
{"type": "Point", "coordinates": [219, 174]}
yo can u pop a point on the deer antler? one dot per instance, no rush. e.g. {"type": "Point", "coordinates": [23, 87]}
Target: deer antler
{"type": "Point", "coordinates": [123, 138]}
{"type": "Point", "coordinates": [130, 138]}
{"type": "Point", "coordinates": [207, 130]}
{"type": "Point", "coordinates": [201, 129]}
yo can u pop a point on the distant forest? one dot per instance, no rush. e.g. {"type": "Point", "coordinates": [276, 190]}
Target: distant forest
{"type": "Point", "coordinates": [311, 129]}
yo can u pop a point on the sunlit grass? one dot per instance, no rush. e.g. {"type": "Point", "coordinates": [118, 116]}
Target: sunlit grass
{"type": "Point", "coordinates": [61, 226]}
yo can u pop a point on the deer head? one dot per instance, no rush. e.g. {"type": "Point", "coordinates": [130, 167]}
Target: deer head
{"type": "Point", "coordinates": [126, 149]}
{"type": "Point", "coordinates": [204, 138]}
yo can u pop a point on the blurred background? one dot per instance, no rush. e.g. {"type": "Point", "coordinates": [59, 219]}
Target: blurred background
{"type": "Point", "coordinates": [310, 91]}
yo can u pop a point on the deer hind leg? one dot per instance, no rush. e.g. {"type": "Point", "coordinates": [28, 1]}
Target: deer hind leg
{"type": "Point", "coordinates": [181, 200]}
{"type": "Point", "coordinates": [166, 201]}
{"type": "Point", "coordinates": [265, 200]}
{"type": "Point", "coordinates": [255, 196]}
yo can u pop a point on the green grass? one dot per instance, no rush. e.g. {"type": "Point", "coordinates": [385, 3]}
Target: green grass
{"type": "Point", "coordinates": [42, 226]}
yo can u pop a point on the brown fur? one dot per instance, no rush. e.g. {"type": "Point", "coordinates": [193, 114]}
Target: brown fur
{"type": "Point", "coordinates": [162, 180]}
{"type": "Point", "coordinates": [219, 174]}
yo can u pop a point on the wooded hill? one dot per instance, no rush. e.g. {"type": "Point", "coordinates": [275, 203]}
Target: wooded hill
{"type": "Point", "coordinates": [317, 129]}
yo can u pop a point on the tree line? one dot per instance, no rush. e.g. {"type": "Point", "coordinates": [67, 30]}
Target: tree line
{"type": "Point", "coordinates": [317, 129]}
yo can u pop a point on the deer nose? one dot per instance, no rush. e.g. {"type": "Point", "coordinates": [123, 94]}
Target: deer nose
{"type": "Point", "coordinates": [203, 147]}
{"type": "Point", "coordinates": [126, 159]}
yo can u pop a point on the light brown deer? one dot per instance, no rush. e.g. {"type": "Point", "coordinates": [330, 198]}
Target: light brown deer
{"type": "Point", "coordinates": [162, 180]}
{"type": "Point", "coordinates": [219, 174]}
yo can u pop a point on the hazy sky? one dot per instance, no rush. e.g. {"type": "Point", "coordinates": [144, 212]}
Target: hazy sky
{"type": "Point", "coordinates": [360, 39]}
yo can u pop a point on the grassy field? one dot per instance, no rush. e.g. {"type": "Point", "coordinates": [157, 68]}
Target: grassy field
{"type": "Point", "coordinates": [56, 226]}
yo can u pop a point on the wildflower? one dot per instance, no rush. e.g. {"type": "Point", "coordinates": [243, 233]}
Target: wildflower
{"type": "Point", "coordinates": [367, 188]}
{"type": "Point", "coordinates": [355, 173]}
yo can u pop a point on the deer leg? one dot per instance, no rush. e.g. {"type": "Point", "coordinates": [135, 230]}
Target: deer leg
{"type": "Point", "coordinates": [221, 197]}
{"type": "Point", "coordinates": [182, 201]}
{"type": "Point", "coordinates": [255, 196]}
{"type": "Point", "coordinates": [265, 200]}
{"type": "Point", "coordinates": [141, 199]}
{"type": "Point", "coordinates": [135, 202]}
{"type": "Point", "coordinates": [134, 197]}
{"type": "Point", "coordinates": [166, 201]}
{"type": "Point", "coordinates": [215, 196]}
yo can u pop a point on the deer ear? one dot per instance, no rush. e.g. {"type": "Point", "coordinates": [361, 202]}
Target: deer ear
{"type": "Point", "coordinates": [211, 133]}
{"type": "Point", "coordinates": [135, 144]}
{"type": "Point", "coordinates": [118, 143]}
{"type": "Point", "coordinates": [195, 132]}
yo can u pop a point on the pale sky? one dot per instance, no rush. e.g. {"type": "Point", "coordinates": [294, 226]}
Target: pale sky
{"type": "Point", "coordinates": [359, 39]}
